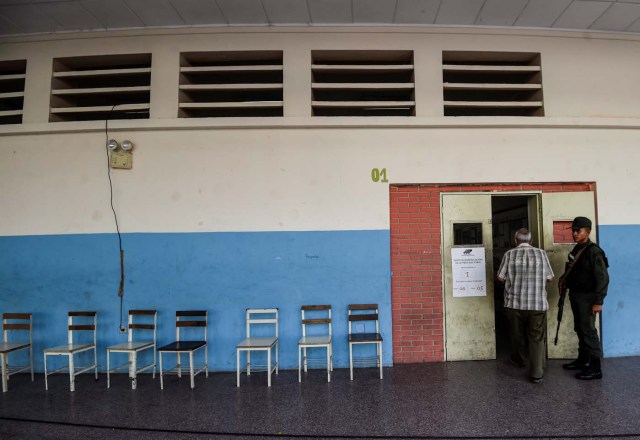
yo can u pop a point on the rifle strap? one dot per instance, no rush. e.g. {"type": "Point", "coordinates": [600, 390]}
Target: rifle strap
{"type": "Point", "coordinates": [573, 262]}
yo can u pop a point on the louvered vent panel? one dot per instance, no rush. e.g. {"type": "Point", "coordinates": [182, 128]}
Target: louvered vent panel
{"type": "Point", "coordinates": [492, 84]}
{"type": "Point", "coordinates": [363, 83]}
{"type": "Point", "coordinates": [231, 84]}
{"type": "Point", "coordinates": [12, 75]}
{"type": "Point", "coordinates": [101, 87]}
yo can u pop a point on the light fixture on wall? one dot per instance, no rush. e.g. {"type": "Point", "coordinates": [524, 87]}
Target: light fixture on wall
{"type": "Point", "coordinates": [112, 144]}
{"type": "Point", "coordinates": [120, 154]}
{"type": "Point", "coordinates": [127, 145]}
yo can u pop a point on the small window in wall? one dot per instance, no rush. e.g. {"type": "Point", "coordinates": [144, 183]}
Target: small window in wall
{"type": "Point", "coordinates": [231, 84]}
{"type": "Point", "coordinates": [91, 88]}
{"type": "Point", "coordinates": [492, 83]}
{"type": "Point", "coordinates": [467, 234]}
{"type": "Point", "coordinates": [12, 76]}
{"type": "Point", "coordinates": [562, 232]}
{"type": "Point", "coordinates": [362, 83]}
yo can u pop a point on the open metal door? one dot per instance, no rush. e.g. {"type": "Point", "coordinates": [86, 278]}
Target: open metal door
{"type": "Point", "coordinates": [469, 320]}
{"type": "Point", "coordinates": [562, 207]}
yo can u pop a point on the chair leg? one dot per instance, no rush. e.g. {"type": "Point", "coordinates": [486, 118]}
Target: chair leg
{"type": "Point", "coordinates": [248, 362]}
{"type": "Point", "coordinates": [46, 383]}
{"type": "Point", "coordinates": [31, 360]}
{"type": "Point", "coordinates": [154, 361]}
{"type": "Point", "coordinates": [5, 372]}
{"type": "Point", "coordinates": [277, 361]}
{"type": "Point", "coordinates": [305, 359]}
{"type": "Point", "coordinates": [95, 360]}
{"type": "Point", "coordinates": [351, 361]}
{"type": "Point", "coordinates": [133, 367]}
{"type": "Point", "coordinates": [238, 368]}
{"type": "Point", "coordinates": [72, 376]}
{"type": "Point", "coordinates": [108, 370]}
{"type": "Point", "coordinates": [206, 361]}
{"type": "Point", "coordinates": [269, 367]}
{"type": "Point", "coordinates": [178, 366]}
{"type": "Point", "coordinates": [161, 382]}
{"type": "Point", "coordinates": [193, 383]}
{"type": "Point", "coordinates": [328, 364]}
{"type": "Point", "coordinates": [299, 368]}
{"type": "Point", "coordinates": [380, 357]}
{"type": "Point", "coordinates": [331, 349]}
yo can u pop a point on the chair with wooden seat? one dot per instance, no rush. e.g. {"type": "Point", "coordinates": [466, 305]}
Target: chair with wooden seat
{"type": "Point", "coordinates": [71, 349]}
{"type": "Point", "coordinates": [133, 346]}
{"type": "Point", "coordinates": [364, 316]}
{"type": "Point", "coordinates": [316, 333]}
{"type": "Point", "coordinates": [13, 323]}
{"type": "Point", "coordinates": [184, 320]}
{"type": "Point", "coordinates": [255, 317]}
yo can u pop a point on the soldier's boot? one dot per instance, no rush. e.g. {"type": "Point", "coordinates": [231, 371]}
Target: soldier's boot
{"type": "Point", "coordinates": [593, 371]}
{"type": "Point", "coordinates": [581, 363]}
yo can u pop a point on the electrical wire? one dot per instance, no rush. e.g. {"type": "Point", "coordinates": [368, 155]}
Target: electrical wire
{"type": "Point", "coordinates": [115, 216]}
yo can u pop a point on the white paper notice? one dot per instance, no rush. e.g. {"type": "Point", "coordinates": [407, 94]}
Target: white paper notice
{"type": "Point", "coordinates": [469, 271]}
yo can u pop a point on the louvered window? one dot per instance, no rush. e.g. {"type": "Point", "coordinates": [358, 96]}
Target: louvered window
{"type": "Point", "coordinates": [101, 87]}
{"type": "Point", "coordinates": [12, 75]}
{"type": "Point", "coordinates": [363, 83]}
{"type": "Point", "coordinates": [492, 84]}
{"type": "Point", "coordinates": [231, 84]}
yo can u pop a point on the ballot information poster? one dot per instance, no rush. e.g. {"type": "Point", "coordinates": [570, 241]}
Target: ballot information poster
{"type": "Point", "coordinates": [469, 271]}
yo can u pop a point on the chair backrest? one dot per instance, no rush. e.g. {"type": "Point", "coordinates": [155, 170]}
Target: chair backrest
{"type": "Point", "coordinates": [363, 312]}
{"type": "Point", "coordinates": [191, 318]}
{"type": "Point", "coordinates": [256, 316]}
{"type": "Point", "coordinates": [326, 320]}
{"type": "Point", "coordinates": [15, 322]}
{"type": "Point", "coordinates": [83, 316]}
{"type": "Point", "coordinates": [133, 316]}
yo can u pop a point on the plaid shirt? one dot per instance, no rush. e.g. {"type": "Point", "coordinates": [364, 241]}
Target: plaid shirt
{"type": "Point", "coordinates": [525, 270]}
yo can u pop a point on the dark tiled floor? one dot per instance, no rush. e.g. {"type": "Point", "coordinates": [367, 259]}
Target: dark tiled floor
{"type": "Point", "coordinates": [488, 399]}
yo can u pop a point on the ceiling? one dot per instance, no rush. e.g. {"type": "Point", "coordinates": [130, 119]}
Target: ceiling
{"type": "Point", "coordinates": [20, 17]}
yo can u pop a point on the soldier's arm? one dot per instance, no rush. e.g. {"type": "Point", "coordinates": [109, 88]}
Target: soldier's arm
{"type": "Point", "coordinates": [601, 277]}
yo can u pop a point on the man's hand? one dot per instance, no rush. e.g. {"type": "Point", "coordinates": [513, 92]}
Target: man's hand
{"type": "Point", "coordinates": [596, 308]}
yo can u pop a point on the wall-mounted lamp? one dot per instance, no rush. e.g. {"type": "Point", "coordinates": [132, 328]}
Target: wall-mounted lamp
{"type": "Point", "coordinates": [120, 154]}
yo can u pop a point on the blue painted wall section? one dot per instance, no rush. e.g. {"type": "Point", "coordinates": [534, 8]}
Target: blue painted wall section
{"type": "Point", "coordinates": [621, 312]}
{"type": "Point", "coordinates": [223, 273]}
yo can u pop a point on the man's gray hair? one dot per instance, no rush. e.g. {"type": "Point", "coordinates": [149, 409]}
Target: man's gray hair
{"type": "Point", "coordinates": [523, 235]}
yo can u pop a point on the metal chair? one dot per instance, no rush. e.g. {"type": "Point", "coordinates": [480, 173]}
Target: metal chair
{"type": "Point", "coordinates": [185, 319]}
{"type": "Point", "coordinates": [315, 340]}
{"type": "Point", "coordinates": [73, 348]}
{"type": "Point", "coordinates": [263, 343]}
{"type": "Point", "coordinates": [361, 313]}
{"type": "Point", "coordinates": [133, 347]}
{"type": "Point", "coordinates": [15, 322]}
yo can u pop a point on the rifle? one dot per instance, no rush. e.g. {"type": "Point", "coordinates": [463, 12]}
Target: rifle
{"type": "Point", "coordinates": [563, 288]}
{"type": "Point", "coordinates": [563, 295]}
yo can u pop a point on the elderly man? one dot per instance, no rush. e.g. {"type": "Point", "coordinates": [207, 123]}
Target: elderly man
{"type": "Point", "coordinates": [526, 270]}
{"type": "Point", "coordinates": [587, 279]}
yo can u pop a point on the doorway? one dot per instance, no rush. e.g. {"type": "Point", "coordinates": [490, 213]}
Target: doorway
{"type": "Point", "coordinates": [508, 214]}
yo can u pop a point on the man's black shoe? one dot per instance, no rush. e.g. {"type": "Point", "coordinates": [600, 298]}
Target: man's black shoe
{"type": "Point", "coordinates": [590, 374]}
{"type": "Point", "coordinates": [535, 379]}
{"type": "Point", "coordinates": [576, 365]}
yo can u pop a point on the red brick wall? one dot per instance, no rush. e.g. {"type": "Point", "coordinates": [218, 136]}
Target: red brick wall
{"type": "Point", "coordinates": [416, 264]}
{"type": "Point", "coordinates": [562, 232]}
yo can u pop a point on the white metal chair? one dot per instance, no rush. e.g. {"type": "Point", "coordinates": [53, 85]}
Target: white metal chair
{"type": "Point", "coordinates": [133, 347]}
{"type": "Point", "coordinates": [73, 348]}
{"type": "Point", "coordinates": [315, 340]}
{"type": "Point", "coordinates": [361, 313]}
{"type": "Point", "coordinates": [185, 319]}
{"type": "Point", "coordinates": [15, 322]}
{"type": "Point", "coordinates": [262, 343]}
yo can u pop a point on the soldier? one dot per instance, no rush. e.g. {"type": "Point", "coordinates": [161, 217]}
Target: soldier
{"type": "Point", "coordinates": [587, 279]}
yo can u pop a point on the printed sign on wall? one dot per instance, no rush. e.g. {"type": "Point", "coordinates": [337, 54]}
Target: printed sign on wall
{"type": "Point", "coordinates": [469, 271]}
